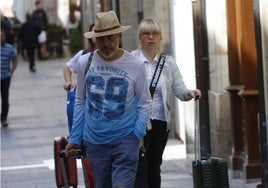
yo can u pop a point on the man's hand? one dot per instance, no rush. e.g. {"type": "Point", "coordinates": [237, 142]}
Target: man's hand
{"type": "Point", "coordinates": [68, 86]}
{"type": "Point", "coordinates": [68, 78]}
{"type": "Point", "coordinates": [70, 149]}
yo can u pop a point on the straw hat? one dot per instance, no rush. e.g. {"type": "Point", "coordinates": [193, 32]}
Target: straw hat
{"type": "Point", "coordinates": [106, 23]}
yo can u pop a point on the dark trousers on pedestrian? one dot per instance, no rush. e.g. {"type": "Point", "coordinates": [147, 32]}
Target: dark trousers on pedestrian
{"type": "Point", "coordinates": [39, 51]}
{"type": "Point", "coordinates": [157, 140]}
{"type": "Point", "coordinates": [5, 83]}
{"type": "Point", "coordinates": [31, 57]}
{"type": "Point", "coordinates": [141, 175]}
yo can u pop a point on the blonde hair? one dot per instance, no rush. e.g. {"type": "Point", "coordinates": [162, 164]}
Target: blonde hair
{"type": "Point", "coordinates": [150, 25]}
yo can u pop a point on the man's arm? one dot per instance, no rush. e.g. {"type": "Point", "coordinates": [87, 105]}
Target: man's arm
{"type": "Point", "coordinates": [14, 65]}
{"type": "Point", "coordinates": [69, 68]}
{"type": "Point", "coordinates": [68, 78]}
{"type": "Point", "coordinates": [76, 135]}
{"type": "Point", "coordinates": [144, 103]}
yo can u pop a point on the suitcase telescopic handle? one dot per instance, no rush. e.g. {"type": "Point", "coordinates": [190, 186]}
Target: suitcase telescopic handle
{"type": "Point", "coordinates": [197, 129]}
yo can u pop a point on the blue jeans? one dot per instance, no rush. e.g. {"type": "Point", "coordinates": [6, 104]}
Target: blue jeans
{"type": "Point", "coordinates": [114, 163]}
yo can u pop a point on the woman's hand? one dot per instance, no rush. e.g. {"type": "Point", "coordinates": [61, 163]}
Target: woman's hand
{"type": "Point", "coordinates": [192, 93]}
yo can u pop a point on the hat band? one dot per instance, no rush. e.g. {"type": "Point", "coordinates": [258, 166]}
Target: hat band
{"type": "Point", "coordinates": [103, 30]}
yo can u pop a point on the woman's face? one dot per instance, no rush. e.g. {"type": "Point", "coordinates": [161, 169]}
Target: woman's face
{"type": "Point", "coordinates": [150, 40]}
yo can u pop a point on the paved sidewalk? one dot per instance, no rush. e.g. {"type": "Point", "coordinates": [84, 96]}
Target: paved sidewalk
{"type": "Point", "coordinates": [38, 114]}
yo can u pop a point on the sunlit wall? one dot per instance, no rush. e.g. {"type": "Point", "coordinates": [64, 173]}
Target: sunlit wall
{"type": "Point", "coordinates": [182, 35]}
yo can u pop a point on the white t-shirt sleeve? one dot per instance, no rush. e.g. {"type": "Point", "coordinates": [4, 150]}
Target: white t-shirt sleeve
{"type": "Point", "coordinates": [78, 116]}
{"type": "Point", "coordinates": [73, 62]}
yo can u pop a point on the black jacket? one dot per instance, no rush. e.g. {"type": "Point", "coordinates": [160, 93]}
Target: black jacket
{"type": "Point", "coordinates": [40, 18]}
{"type": "Point", "coordinates": [29, 34]}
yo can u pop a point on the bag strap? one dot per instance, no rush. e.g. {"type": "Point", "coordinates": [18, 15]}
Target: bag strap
{"type": "Point", "coordinates": [88, 64]}
{"type": "Point", "coordinates": [89, 61]}
{"type": "Point", "coordinates": [85, 51]}
{"type": "Point", "coordinates": [157, 73]}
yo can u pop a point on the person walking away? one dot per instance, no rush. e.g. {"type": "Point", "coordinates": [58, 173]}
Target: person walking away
{"type": "Point", "coordinates": [112, 106]}
{"type": "Point", "coordinates": [28, 36]}
{"type": "Point", "coordinates": [73, 19]}
{"type": "Point", "coordinates": [40, 18]}
{"type": "Point", "coordinates": [72, 65]}
{"type": "Point", "coordinates": [170, 81]}
{"type": "Point", "coordinates": [73, 29]}
{"type": "Point", "coordinates": [6, 25]}
{"type": "Point", "coordinates": [9, 64]}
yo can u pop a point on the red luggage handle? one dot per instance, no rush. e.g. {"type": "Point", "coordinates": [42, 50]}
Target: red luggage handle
{"type": "Point", "coordinates": [80, 153]}
{"type": "Point", "coordinates": [197, 129]}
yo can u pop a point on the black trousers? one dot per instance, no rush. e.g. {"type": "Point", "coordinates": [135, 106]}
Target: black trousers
{"type": "Point", "coordinates": [31, 56]}
{"type": "Point", "coordinates": [149, 166]}
{"type": "Point", "coordinates": [39, 51]}
{"type": "Point", "coordinates": [5, 83]}
{"type": "Point", "coordinates": [141, 175]}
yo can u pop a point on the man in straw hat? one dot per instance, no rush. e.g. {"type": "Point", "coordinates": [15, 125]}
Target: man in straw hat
{"type": "Point", "coordinates": [112, 106]}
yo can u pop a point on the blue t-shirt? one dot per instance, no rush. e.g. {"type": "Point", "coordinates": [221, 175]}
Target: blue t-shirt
{"type": "Point", "coordinates": [112, 100]}
{"type": "Point", "coordinates": [8, 53]}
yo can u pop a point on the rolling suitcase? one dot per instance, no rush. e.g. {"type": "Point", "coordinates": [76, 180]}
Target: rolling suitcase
{"type": "Point", "coordinates": [210, 172]}
{"type": "Point", "coordinates": [70, 165]}
{"type": "Point", "coordinates": [64, 168]}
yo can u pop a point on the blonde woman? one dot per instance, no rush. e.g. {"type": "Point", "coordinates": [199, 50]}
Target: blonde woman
{"type": "Point", "coordinates": [170, 81]}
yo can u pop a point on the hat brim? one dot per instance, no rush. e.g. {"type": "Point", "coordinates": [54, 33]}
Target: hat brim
{"type": "Point", "coordinates": [93, 34]}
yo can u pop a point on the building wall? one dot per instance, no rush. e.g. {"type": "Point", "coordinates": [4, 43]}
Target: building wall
{"type": "Point", "coordinates": [181, 26]}
{"type": "Point", "coordinates": [128, 14]}
{"type": "Point", "coordinates": [51, 8]}
{"type": "Point", "coordinates": [219, 104]}
{"type": "Point", "coordinates": [264, 23]}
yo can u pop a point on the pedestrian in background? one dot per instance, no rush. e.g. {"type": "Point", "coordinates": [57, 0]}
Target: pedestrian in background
{"type": "Point", "coordinates": [73, 19]}
{"type": "Point", "coordinates": [112, 106]}
{"type": "Point", "coordinates": [170, 81]}
{"type": "Point", "coordinates": [72, 65]}
{"type": "Point", "coordinates": [28, 36]}
{"type": "Point", "coordinates": [39, 16]}
{"type": "Point", "coordinates": [8, 66]}
{"type": "Point", "coordinates": [73, 29]}
{"type": "Point", "coordinates": [6, 25]}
